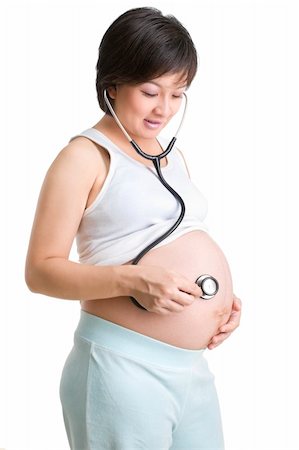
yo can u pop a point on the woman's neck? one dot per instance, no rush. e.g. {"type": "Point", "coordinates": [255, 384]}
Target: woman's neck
{"type": "Point", "coordinates": [109, 127]}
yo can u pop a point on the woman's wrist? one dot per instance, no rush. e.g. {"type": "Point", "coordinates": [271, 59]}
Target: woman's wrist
{"type": "Point", "coordinates": [126, 277]}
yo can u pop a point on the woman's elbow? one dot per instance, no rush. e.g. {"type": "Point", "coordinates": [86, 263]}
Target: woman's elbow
{"type": "Point", "coordinates": [30, 277]}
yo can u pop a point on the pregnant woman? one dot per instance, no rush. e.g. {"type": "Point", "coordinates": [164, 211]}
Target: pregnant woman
{"type": "Point", "coordinates": [136, 376]}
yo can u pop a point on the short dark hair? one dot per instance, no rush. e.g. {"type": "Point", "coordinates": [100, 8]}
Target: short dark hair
{"type": "Point", "coordinates": [140, 45]}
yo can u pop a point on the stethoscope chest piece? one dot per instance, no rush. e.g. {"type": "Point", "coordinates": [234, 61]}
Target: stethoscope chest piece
{"type": "Point", "coordinates": [209, 286]}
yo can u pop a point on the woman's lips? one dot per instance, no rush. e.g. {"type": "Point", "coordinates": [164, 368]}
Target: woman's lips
{"type": "Point", "coordinates": [152, 124]}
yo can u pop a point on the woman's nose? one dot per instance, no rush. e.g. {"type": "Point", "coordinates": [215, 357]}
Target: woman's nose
{"type": "Point", "coordinates": [163, 107]}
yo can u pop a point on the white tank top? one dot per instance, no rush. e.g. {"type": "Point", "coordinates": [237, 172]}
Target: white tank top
{"type": "Point", "coordinates": [133, 207]}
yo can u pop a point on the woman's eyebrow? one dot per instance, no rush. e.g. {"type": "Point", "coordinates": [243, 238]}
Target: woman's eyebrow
{"type": "Point", "coordinates": [159, 85]}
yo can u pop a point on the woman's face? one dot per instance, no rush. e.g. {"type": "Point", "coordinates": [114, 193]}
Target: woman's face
{"type": "Point", "coordinates": [145, 109]}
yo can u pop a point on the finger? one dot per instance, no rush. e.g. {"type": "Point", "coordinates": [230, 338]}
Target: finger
{"type": "Point", "coordinates": [220, 338]}
{"type": "Point", "coordinates": [212, 346]}
{"type": "Point", "coordinates": [169, 306]}
{"type": "Point", "coordinates": [172, 306]}
{"type": "Point", "coordinates": [217, 340]}
{"type": "Point", "coordinates": [229, 327]}
{"type": "Point", "coordinates": [176, 307]}
{"type": "Point", "coordinates": [164, 311]}
{"type": "Point", "coordinates": [235, 318]}
{"type": "Point", "coordinates": [191, 289]}
{"type": "Point", "coordinates": [183, 298]}
{"type": "Point", "coordinates": [232, 323]}
{"type": "Point", "coordinates": [237, 304]}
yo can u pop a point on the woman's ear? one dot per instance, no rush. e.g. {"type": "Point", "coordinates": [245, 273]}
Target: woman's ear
{"type": "Point", "coordinates": [112, 91]}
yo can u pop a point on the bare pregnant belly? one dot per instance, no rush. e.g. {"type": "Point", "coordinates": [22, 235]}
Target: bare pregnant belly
{"type": "Point", "coordinates": [193, 254]}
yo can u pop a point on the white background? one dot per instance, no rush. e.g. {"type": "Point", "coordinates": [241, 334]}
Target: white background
{"type": "Point", "coordinates": [240, 140]}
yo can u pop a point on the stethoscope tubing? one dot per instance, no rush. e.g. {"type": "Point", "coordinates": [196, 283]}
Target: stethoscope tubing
{"type": "Point", "coordinates": [178, 221]}
{"type": "Point", "coordinates": [156, 159]}
{"type": "Point", "coordinates": [168, 232]}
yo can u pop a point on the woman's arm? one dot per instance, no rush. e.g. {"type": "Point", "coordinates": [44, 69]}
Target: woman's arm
{"type": "Point", "coordinates": [60, 207]}
{"type": "Point", "coordinates": [61, 278]}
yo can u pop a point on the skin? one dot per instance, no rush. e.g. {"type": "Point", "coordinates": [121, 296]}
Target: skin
{"type": "Point", "coordinates": [157, 100]}
{"type": "Point", "coordinates": [65, 194]}
{"type": "Point", "coordinates": [226, 330]}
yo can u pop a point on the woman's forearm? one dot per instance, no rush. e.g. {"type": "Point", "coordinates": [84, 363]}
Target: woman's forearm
{"type": "Point", "coordinates": [61, 278]}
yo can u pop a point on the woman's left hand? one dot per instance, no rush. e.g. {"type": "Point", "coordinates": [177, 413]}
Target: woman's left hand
{"type": "Point", "coordinates": [226, 330]}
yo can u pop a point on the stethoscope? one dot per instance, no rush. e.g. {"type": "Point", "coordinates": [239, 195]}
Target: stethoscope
{"type": "Point", "coordinates": [208, 284]}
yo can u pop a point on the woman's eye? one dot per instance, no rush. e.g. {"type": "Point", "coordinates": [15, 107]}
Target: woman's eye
{"type": "Point", "coordinates": [148, 94]}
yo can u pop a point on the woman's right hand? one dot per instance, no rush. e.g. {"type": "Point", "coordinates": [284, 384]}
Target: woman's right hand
{"type": "Point", "coordinates": [163, 291]}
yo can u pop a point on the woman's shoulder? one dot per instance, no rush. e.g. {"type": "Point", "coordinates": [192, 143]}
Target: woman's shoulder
{"type": "Point", "coordinates": [86, 152]}
{"type": "Point", "coordinates": [79, 160]}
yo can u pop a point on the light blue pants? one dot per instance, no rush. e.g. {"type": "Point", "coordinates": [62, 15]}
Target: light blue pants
{"type": "Point", "coordinates": [122, 390]}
